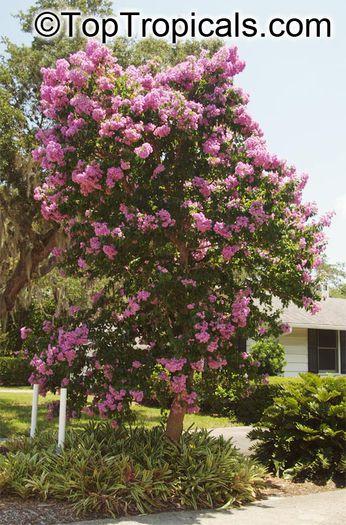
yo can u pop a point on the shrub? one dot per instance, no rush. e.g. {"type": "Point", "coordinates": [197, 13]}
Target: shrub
{"type": "Point", "coordinates": [218, 389]}
{"type": "Point", "coordinates": [302, 435]}
{"type": "Point", "coordinates": [126, 471]}
{"type": "Point", "coordinates": [14, 371]}
{"type": "Point", "coordinates": [271, 356]}
{"type": "Point", "coordinates": [225, 394]}
{"type": "Point", "coordinates": [249, 408]}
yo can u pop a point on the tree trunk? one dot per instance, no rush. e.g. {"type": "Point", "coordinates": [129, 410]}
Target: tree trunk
{"type": "Point", "coordinates": [174, 427]}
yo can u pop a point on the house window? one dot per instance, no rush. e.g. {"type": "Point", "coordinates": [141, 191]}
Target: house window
{"type": "Point", "coordinates": [327, 351]}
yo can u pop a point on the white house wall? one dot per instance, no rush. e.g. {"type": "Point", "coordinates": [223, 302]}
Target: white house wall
{"type": "Point", "coordinates": [296, 348]}
{"type": "Point", "coordinates": [296, 351]}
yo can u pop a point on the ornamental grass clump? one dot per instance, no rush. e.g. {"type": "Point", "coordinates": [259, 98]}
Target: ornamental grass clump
{"type": "Point", "coordinates": [302, 435]}
{"type": "Point", "coordinates": [128, 471]}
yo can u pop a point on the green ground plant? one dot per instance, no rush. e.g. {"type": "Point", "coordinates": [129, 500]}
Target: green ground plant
{"type": "Point", "coordinates": [130, 470]}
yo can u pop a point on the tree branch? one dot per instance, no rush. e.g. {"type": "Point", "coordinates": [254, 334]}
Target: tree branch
{"type": "Point", "coordinates": [28, 263]}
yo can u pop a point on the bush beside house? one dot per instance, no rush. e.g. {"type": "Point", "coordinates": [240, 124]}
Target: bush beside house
{"type": "Point", "coordinates": [302, 434]}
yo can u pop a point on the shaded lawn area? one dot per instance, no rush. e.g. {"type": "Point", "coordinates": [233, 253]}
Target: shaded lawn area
{"type": "Point", "coordinates": [15, 415]}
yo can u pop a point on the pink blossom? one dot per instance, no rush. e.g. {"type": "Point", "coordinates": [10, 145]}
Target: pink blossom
{"type": "Point", "coordinates": [216, 363]}
{"type": "Point", "coordinates": [97, 296]}
{"type": "Point", "coordinates": [137, 395]}
{"type": "Point", "coordinates": [24, 332]}
{"type": "Point", "coordinates": [159, 169]}
{"type": "Point", "coordinates": [173, 364]}
{"type": "Point", "coordinates": [212, 346]}
{"type": "Point", "coordinates": [144, 151]}
{"type": "Point", "coordinates": [47, 326]}
{"type": "Point", "coordinates": [229, 251]}
{"type": "Point", "coordinates": [285, 328]}
{"type": "Point", "coordinates": [178, 383]}
{"type": "Point", "coordinates": [98, 114]}
{"type": "Point", "coordinates": [162, 131]}
{"type": "Point", "coordinates": [54, 152]}
{"type": "Point", "coordinates": [242, 169]}
{"type": "Point", "coordinates": [189, 282]}
{"type": "Point", "coordinates": [202, 223]}
{"type": "Point", "coordinates": [198, 365]}
{"type": "Point", "coordinates": [110, 251]}
{"type": "Point", "coordinates": [114, 175]}
{"type": "Point", "coordinates": [82, 263]}
{"type": "Point", "coordinates": [202, 337]}
{"type": "Point", "coordinates": [101, 228]}
{"type": "Point", "coordinates": [143, 295]}
{"type": "Point", "coordinates": [95, 243]}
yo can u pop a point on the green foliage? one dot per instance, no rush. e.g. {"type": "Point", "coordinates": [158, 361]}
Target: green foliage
{"type": "Point", "coordinates": [302, 435]}
{"type": "Point", "coordinates": [138, 52]}
{"type": "Point", "coordinates": [249, 408]}
{"type": "Point", "coordinates": [227, 394]}
{"type": "Point", "coordinates": [218, 389]}
{"type": "Point", "coordinates": [14, 371]}
{"type": "Point", "coordinates": [130, 471]}
{"type": "Point", "coordinates": [271, 356]}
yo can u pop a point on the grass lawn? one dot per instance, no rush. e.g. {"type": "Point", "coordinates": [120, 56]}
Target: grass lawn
{"type": "Point", "coordinates": [15, 414]}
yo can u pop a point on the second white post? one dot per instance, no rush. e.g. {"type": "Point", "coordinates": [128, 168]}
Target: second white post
{"type": "Point", "coordinates": [62, 417]}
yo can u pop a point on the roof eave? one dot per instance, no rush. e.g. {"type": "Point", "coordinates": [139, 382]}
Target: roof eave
{"type": "Point", "coordinates": [317, 326]}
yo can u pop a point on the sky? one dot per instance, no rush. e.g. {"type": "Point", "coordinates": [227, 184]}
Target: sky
{"type": "Point", "coordinates": [297, 89]}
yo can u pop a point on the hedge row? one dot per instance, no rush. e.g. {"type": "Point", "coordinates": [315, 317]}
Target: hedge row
{"type": "Point", "coordinates": [14, 371]}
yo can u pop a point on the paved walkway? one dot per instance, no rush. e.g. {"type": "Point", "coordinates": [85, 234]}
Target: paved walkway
{"type": "Point", "coordinates": [325, 508]}
{"type": "Point", "coordinates": [238, 435]}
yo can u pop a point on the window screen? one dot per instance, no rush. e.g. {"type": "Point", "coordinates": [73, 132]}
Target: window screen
{"type": "Point", "coordinates": [327, 351]}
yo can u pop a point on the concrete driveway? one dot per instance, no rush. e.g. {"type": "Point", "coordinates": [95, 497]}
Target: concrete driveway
{"type": "Point", "coordinates": [238, 436]}
{"type": "Point", "coordinates": [324, 508]}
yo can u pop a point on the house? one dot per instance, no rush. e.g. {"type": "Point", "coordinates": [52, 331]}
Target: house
{"type": "Point", "coordinates": [317, 343]}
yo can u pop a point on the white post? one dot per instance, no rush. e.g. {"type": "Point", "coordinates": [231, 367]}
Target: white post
{"type": "Point", "coordinates": [34, 411]}
{"type": "Point", "coordinates": [62, 417]}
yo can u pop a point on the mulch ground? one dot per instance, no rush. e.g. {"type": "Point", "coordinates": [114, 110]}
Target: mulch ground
{"type": "Point", "coordinates": [283, 487]}
{"type": "Point", "coordinates": [14, 510]}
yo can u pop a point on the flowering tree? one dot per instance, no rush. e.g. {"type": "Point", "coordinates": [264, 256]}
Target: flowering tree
{"type": "Point", "coordinates": [164, 185]}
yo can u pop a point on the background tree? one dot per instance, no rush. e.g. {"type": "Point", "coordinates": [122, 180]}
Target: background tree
{"type": "Point", "coordinates": [164, 186]}
{"type": "Point", "coordinates": [333, 277]}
